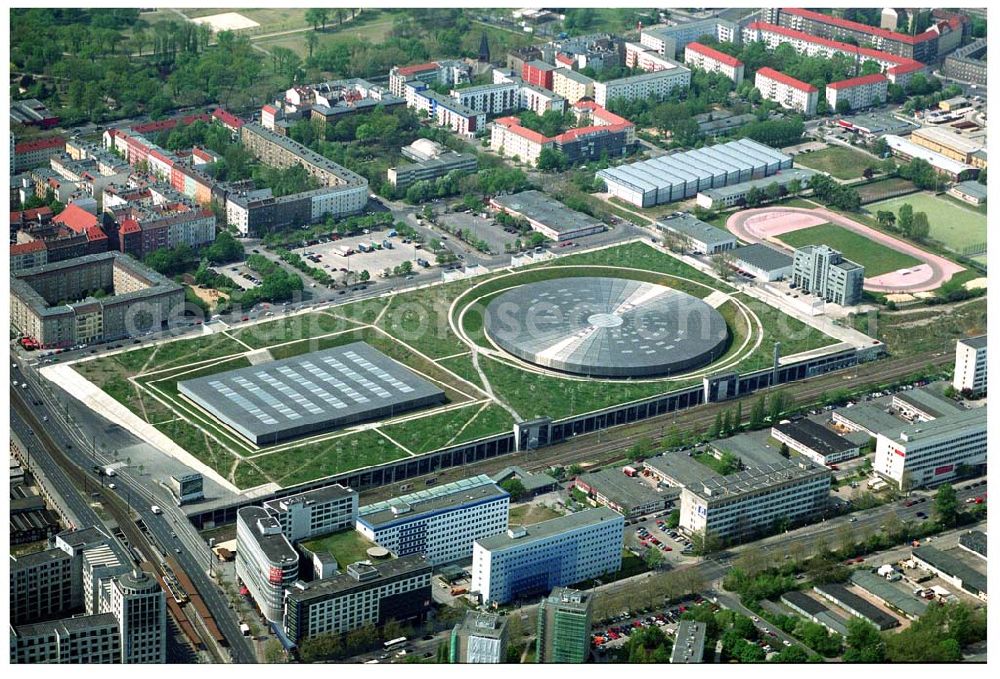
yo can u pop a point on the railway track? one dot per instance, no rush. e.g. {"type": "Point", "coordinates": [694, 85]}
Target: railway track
{"type": "Point", "coordinates": [208, 636]}
{"type": "Point", "coordinates": [607, 446]}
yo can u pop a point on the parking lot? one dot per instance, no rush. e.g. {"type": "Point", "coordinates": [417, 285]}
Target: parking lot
{"type": "Point", "coordinates": [652, 531]}
{"type": "Point", "coordinates": [327, 254]}
{"type": "Point", "coordinates": [485, 229]}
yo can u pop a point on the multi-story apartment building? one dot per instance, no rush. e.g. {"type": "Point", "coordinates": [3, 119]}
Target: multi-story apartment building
{"type": "Point", "coordinates": [603, 132]}
{"type": "Point", "coordinates": [479, 639]}
{"type": "Point", "coordinates": [315, 512]}
{"type": "Point", "coordinates": [540, 100]}
{"type": "Point", "coordinates": [572, 86]}
{"type": "Point", "coordinates": [139, 300]}
{"type": "Point", "coordinates": [669, 40]}
{"type": "Point", "coordinates": [538, 73]}
{"type": "Point", "coordinates": [139, 605]}
{"type": "Point", "coordinates": [697, 55]}
{"type": "Point", "coordinates": [930, 453]}
{"type": "Point", "coordinates": [36, 152]}
{"type": "Point", "coordinates": [824, 272]}
{"type": "Point", "coordinates": [490, 99]}
{"type": "Point", "coordinates": [83, 640]}
{"type": "Point", "coordinates": [970, 364]}
{"type": "Point", "coordinates": [898, 69]}
{"type": "Point", "coordinates": [860, 92]}
{"type": "Point", "coordinates": [445, 72]}
{"type": "Point", "coordinates": [528, 560]}
{"type": "Point", "coordinates": [399, 589]}
{"type": "Point", "coordinates": [921, 47]}
{"type": "Point", "coordinates": [266, 563]}
{"type": "Point", "coordinates": [968, 63]}
{"type": "Point", "coordinates": [659, 83]}
{"type": "Point", "coordinates": [563, 628]}
{"type": "Point", "coordinates": [646, 58]}
{"type": "Point", "coordinates": [441, 523]}
{"type": "Point", "coordinates": [790, 93]}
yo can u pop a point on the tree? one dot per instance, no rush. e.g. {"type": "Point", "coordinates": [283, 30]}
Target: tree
{"type": "Point", "coordinates": [716, 429]}
{"type": "Point", "coordinates": [757, 414]}
{"type": "Point", "coordinates": [311, 41]}
{"type": "Point", "coordinates": [784, 451]}
{"type": "Point", "coordinates": [722, 262]}
{"type": "Point", "coordinates": [864, 643]}
{"type": "Point", "coordinates": [886, 218]}
{"type": "Point", "coordinates": [920, 228]}
{"type": "Point", "coordinates": [552, 159]}
{"type": "Point", "coordinates": [515, 488]}
{"type": "Point", "coordinates": [946, 506]}
{"type": "Point", "coordinates": [273, 652]}
{"type": "Point", "coordinates": [316, 17]}
{"type": "Point", "coordinates": [654, 557]}
{"type": "Point", "coordinates": [843, 107]}
{"type": "Point", "coordinates": [905, 220]}
{"type": "Point", "coordinates": [364, 277]}
{"type": "Point", "coordinates": [674, 518]}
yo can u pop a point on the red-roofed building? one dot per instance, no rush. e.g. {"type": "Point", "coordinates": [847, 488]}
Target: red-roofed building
{"type": "Point", "coordinates": [268, 114]}
{"type": "Point", "coordinates": [790, 93]}
{"type": "Point", "coordinates": [28, 255]}
{"type": "Point", "coordinates": [898, 69]}
{"type": "Point", "coordinates": [20, 218]}
{"type": "Point", "coordinates": [565, 59]}
{"type": "Point", "coordinates": [601, 132]}
{"type": "Point", "coordinates": [857, 93]}
{"type": "Point", "coordinates": [231, 122]}
{"type": "Point", "coordinates": [921, 47]}
{"type": "Point", "coordinates": [36, 152]}
{"type": "Point", "coordinates": [712, 60]}
{"type": "Point", "coordinates": [76, 219]}
{"type": "Point", "coordinates": [157, 126]}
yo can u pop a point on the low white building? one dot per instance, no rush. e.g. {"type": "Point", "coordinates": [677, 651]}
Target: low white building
{"type": "Point", "coordinates": [815, 441]}
{"type": "Point", "coordinates": [529, 560]}
{"type": "Point", "coordinates": [785, 90]}
{"type": "Point", "coordinates": [970, 364]}
{"type": "Point", "coordinates": [860, 92]}
{"type": "Point", "coordinates": [930, 453]}
{"type": "Point", "coordinates": [441, 523]}
{"type": "Point", "coordinates": [315, 512]}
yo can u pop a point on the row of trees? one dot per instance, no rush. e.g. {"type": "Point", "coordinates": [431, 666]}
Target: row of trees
{"type": "Point", "coordinates": [911, 224]}
{"type": "Point", "coordinates": [838, 195]}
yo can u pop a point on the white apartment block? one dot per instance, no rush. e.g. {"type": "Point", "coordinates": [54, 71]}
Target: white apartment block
{"type": "Point", "coordinates": [930, 453]}
{"type": "Point", "coordinates": [668, 39]}
{"type": "Point", "coordinates": [510, 140]}
{"type": "Point", "coordinates": [315, 512]}
{"type": "Point", "coordinates": [712, 60]}
{"type": "Point", "coordinates": [735, 506]}
{"type": "Point", "coordinates": [441, 524]}
{"type": "Point", "coordinates": [657, 83]}
{"type": "Point", "coordinates": [790, 93]}
{"type": "Point", "coordinates": [970, 364]}
{"type": "Point", "coordinates": [337, 201]}
{"type": "Point", "coordinates": [572, 86]}
{"type": "Point", "coordinates": [530, 560]}
{"type": "Point", "coordinates": [539, 99]}
{"type": "Point", "coordinates": [862, 92]}
{"type": "Point", "coordinates": [460, 119]}
{"type": "Point", "coordinates": [645, 58]}
{"type": "Point", "coordinates": [490, 99]}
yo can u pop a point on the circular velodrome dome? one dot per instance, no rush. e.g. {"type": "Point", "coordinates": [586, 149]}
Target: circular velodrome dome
{"type": "Point", "coordinates": [606, 327]}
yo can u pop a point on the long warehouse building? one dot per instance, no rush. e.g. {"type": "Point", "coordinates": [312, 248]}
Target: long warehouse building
{"type": "Point", "coordinates": [684, 175]}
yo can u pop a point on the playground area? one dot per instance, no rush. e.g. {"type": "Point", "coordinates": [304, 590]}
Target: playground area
{"type": "Point", "coordinates": [768, 225]}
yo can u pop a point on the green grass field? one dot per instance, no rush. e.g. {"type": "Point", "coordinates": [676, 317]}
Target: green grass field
{"type": "Point", "coordinates": [841, 162]}
{"type": "Point", "coordinates": [876, 258]}
{"type": "Point", "coordinates": [955, 226]}
{"type": "Point", "coordinates": [347, 547]}
{"type": "Point", "coordinates": [412, 328]}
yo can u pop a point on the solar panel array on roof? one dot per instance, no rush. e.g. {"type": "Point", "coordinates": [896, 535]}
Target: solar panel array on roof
{"type": "Point", "coordinates": [683, 175]}
{"type": "Point", "coordinates": [313, 392]}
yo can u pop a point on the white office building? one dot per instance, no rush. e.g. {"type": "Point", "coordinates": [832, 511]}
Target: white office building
{"type": "Point", "coordinates": [316, 512]}
{"type": "Point", "coordinates": [970, 364]}
{"type": "Point", "coordinates": [529, 560]}
{"type": "Point", "coordinates": [930, 453]}
{"type": "Point", "coordinates": [441, 523]}
{"type": "Point", "coordinates": [656, 83]}
{"type": "Point", "coordinates": [785, 90]}
{"type": "Point", "coordinates": [265, 561]}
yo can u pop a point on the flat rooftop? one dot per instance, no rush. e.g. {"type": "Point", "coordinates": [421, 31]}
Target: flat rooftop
{"type": "Point", "coordinates": [847, 598]}
{"type": "Point", "coordinates": [815, 436]}
{"type": "Point", "coordinates": [275, 545]}
{"type": "Point", "coordinates": [929, 401]}
{"type": "Point", "coordinates": [974, 342]}
{"type": "Point", "coordinates": [761, 256]}
{"type": "Point", "coordinates": [314, 392]}
{"type": "Point", "coordinates": [550, 528]}
{"type": "Point", "coordinates": [447, 497]}
{"type": "Point", "coordinates": [696, 229]}
{"type": "Point", "coordinates": [372, 575]}
{"type": "Point", "coordinates": [538, 207]}
{"type": "Point", "coordinates": [956, 424]}
{"type": "Point", "coordinates": [949, 563]}
{"type": "Point", "coordinates": [871, 418]}
{"type": "Point", "coordinates": [782, 177]}
{"type": "Point", "coordinates": [689, 644]}
{"type": "Point", "coordinates": [889, 592]}
{"type": "Point", "coordinates": [320, 495]}
{"type": "Point", "coordinates": [622, 490]}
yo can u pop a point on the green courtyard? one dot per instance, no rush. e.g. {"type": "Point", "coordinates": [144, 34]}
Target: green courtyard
{"type": "Point", "coordinates": [841, 162]}
{"type": "Point", "coordinates": [961, 229]}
